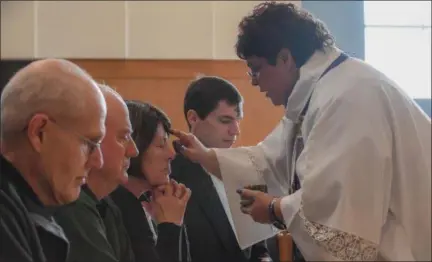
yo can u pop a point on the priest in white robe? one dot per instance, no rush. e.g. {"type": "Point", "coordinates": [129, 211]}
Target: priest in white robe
{"type": "Point", "coordinates": [365, 168]}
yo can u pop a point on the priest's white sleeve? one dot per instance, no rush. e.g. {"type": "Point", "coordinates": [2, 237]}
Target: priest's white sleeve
{"type": "Point", "coordinates": [241, 167]}
{"type": "Point", "coordinates": [265, 163]}
{"type": "Point", "coordinates": [345, 171]}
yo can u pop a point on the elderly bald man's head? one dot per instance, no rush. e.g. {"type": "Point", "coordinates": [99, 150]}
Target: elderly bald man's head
{"type": "Point", "coordinates": [53, 86]}
{"type": "Point", "coordinates": [52, 121]}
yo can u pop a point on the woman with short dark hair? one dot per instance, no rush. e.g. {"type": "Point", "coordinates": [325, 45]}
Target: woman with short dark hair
{"type": "Point", "coordinates": [153, 206]}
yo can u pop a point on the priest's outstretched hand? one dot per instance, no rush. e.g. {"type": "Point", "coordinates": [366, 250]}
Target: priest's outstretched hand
{"type": "Point", "coordinates": [189, 146]}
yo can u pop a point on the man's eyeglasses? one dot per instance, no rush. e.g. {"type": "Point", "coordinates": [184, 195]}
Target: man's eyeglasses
{"type": "Point", "coordinates": [91, 145]}
{"type": "Point", "coordinates": [253, 74]}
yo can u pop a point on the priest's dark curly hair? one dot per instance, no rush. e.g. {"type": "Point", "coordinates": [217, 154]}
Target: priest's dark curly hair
{"type": "Point", "coordinates": [273, 26]}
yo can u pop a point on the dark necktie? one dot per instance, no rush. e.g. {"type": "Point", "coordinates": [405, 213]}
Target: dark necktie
{"type": "Point", "coordinates": [298, 145]}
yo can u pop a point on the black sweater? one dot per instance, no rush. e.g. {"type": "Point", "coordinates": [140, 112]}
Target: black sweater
{"type": "Point", "coordinates": [28, 232]}
{"type": "Point", "coordinates": [171, 244]}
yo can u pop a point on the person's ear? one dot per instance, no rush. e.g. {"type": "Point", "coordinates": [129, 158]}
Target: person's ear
{"type": "Point", "coordinates": [35, 131]}
{"type": "Point", "coordinates": [192, 117]}
{"type": "Point", "coordinates": [285, 57]}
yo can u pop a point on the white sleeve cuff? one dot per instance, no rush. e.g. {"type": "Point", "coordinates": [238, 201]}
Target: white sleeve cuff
{"type": "Point", "coordinates": [290, 206]}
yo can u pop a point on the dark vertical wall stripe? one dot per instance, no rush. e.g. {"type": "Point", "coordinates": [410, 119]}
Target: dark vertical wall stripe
{"type": "Point", "coordinates": [345, 19]}
{"type": "Point", "coordinates": [8, 68]}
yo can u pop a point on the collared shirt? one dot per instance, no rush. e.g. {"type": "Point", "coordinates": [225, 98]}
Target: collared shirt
{"type": "Point", "coordinates": [220, 189]}
{"type": "Point", "coordinates": [95, 230]}
{"type": "Point", "coordinates": [151, 225]}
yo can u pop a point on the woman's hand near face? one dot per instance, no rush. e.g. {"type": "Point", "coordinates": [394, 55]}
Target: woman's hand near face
{"type": "Point", "coordinates": [179, 190]}
{"type": "Point", "coordinates": [169, 203]}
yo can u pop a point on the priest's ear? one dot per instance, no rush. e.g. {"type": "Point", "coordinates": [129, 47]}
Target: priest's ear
{"type": "Point", "coordinates": [284, 56]}
{"type": "Point", "coordinates": [192, 118]}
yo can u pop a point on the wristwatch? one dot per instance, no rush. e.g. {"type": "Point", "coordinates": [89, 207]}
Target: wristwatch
{"type": "Point", "coordinates": [276, 222]}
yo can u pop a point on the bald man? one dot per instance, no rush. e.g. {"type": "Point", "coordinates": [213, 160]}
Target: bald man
{"type": "Point", "coordinates": [93, 224]}
{"type": "Point", "coordinates": [52, 121]}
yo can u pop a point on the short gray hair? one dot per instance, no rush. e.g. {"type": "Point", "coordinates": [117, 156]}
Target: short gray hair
{"type": "Point", "coordinates": [35, 89]}
{"type": "Point", "coordinates": [106, 89]}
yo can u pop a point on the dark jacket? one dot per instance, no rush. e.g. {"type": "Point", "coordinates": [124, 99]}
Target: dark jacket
{"type": "Point", "coordinates": [28, 232]}
{"type": "Point", "coordinates": [210, 233]}
{"type": "Point", "coordinates": [95, 230]}
{"type": "Point", "coordinates": [171, 244]}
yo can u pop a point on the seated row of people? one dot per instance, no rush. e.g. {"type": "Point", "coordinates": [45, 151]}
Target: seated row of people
{"type": "Point", "coordinates": [88, 176]}
{"type": "Point", "coordinates": [347, 160]}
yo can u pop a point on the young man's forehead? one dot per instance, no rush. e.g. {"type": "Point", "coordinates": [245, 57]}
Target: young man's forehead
{"type": "Point", "coordinates": [225, 109]}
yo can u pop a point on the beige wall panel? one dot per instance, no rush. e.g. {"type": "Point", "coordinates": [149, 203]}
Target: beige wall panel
{"type": "Point", "coordinates": [81, 29]}
{"type": "Point", "coordinates": [170, 29]}
{"type": "Point", "coordinates": [17, 29]}
{"type": "Point", "coordinates": [227, 15]}
{"type": "Point", "coordinates": [121, 29]}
